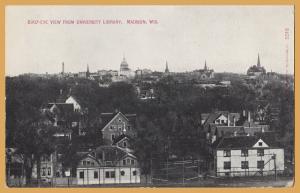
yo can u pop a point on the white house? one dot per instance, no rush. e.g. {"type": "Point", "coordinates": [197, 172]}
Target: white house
{"type": "Point", "coordinates": [248, 156]}
{"type": "Point", "coordinates": [108, 165]}
{"type": "Point", "coordinates": [75, 102]}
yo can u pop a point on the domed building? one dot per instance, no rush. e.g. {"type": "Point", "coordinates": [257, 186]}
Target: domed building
{"type": "Point", "coordinates": [125, 70]}
{"type": "Point", "coordinates": [256, 70]}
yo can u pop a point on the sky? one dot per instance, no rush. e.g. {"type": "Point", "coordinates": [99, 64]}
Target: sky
{"type": "Point", "coordinates": [228, 38]}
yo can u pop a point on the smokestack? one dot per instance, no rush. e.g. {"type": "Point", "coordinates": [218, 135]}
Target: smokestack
{"type": "Point", "coordinates": [63, 68]}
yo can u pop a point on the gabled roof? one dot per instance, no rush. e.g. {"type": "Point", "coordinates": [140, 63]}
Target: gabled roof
{"type": "Point", "coordinates": [113, 153]}
{"type": "Point", "coordinates": [120, 138]}
{"type": "Point", "coordinates": [107, 118]}
{"type": "Point", "coordinates": [237, 142]}
{"type": "Point", "coordinates": [240, 142]}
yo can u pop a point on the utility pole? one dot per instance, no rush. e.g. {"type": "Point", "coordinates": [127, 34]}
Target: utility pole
{"type": "Point", "coordinates": [275, 169]}
{"type": "Point", "coordinates": [151, 168]}
{"type": "Point", "coordinates": [183, 172]}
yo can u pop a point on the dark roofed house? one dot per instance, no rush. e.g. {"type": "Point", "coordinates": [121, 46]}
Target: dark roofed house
{"type": "Point", "coordinates": [116, 124]}
{"type": "Point", "coordinates": [247, 156]}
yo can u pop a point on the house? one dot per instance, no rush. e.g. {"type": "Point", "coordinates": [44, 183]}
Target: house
{"type": "Point", "coordinates": [75, 102]}
{"type": "Point", "coordinates": [47, 167]}
{"type": "Point", "coordinates": [116, 124]}
{"type": "Point", "coordinates": [248, 156]}
{"type": "Point", "coordinates": [224, 118]}
{"type": "Point", "coordinates": [108, 165]}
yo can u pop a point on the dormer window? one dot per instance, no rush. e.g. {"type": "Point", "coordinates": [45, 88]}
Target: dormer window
{"type": "Point", "coordinates": [124, 144]}
{"type": "Point", "coordinates": [260, 144]}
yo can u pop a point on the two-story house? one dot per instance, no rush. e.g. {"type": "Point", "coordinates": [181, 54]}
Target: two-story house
{"type": "Point", "coordinates": [115, 125]}
{"type": "Point", "coordinates": [247, 156]}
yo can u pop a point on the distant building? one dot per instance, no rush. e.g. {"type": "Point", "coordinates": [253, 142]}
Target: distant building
{"type": "Point", "coordinates": [256, 70]}
{"type": "Point", "coordinates": [84, 74]}
{"type": "Point", "coordinates": [248, 156]}
{"type": "Point", "coordinates": [125, 70]}
{"type": "Point", "coordinates": [204, 73]}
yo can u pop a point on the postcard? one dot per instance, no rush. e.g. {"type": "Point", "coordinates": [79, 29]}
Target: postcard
{"type": "Point", "coordinates": [149, 96]}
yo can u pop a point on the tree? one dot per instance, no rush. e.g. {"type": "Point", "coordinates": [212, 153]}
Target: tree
{"type": "Point", "coordinates": [34, 139]}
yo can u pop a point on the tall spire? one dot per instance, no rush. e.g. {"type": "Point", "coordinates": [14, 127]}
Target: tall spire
{"type": "Point", "coordinates": [205, 66]}
{"type": "Point", "coordinates": [258, 61]}
{"type": "Point", "coordinates": [167, 68]}
{"type": "Point", "coordinates": [87, 68]}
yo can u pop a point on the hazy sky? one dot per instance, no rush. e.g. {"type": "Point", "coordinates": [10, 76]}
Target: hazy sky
{"type": "Point", "coordinates": [227, 37]}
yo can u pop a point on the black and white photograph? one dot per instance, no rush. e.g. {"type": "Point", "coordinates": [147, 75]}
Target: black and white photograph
{"type": "Point", "coordinates": [149, 96]}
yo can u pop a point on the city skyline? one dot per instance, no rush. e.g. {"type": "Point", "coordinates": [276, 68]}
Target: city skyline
{"type": "Point", "coordinates": [228, 38]}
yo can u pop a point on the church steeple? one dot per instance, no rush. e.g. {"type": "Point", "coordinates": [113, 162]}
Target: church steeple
{"type": "Point", "coordinates": [258, 61]}
{"type": "Point", "coordinates": [87, 68]}
{"type": "Point", "coordinates": [167, 68]}
{"type": "Point", "coordinates": [205, 66]}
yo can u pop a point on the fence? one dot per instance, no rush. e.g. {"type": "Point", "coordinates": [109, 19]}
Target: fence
{"type": "Point", "coordinates": [177, 172]}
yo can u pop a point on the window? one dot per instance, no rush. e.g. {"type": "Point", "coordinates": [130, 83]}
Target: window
{"type": "Point", "coordinates": [112, 137]}
{"type": "Point", "coordinates": [245, 165]}
{"type": "Point", "coordinates": [260, 164]}
{"type": "Point", "coordinates": [111, 127]}
{"type": "Point", "coordinates": [260, 144]}
{"type": "Point", "coordinates": [122, 173]}
{"type": "Point", "coordinates": [49, 171]}
{"type": "Point", "coordinates": [81, 175]}
{"type": "Point", "coordinates": [84, 163]}
{"type": "Point", "coordinates": [88, 163]}
{"type": "Point", "coordinates": [260, 152]}
{"type": "Point", "coordinates": [124, 162]}
{"type": "Point", "coordinates": [227, 165]}
{"type": "Point", "coordinates": [128, 161]}
{"type": "Point", "coordinates": [119, 120]}
{"type": "Point", "coordinates": [226, 153]}
{"type": "Point", "coordinates": [95, 174]}
{"type": "Point", "coordinates": [124, 144]}
{"type": "Point", "coordinates": [92, 163]}
{"type": "Point", "coordinates": [132, 162]}
{"type": "Point", "coordinates": [43, 171]}
{"type": "Point", "coordinates": [244, 153]}
{"type": "Point", "coordinates": [134, 173]}
{"type": "Point", "coordinates": [110, 174]}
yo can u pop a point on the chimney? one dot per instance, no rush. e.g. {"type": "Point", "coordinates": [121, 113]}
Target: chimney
{"type": "Point", "coordinates": [244, 113]}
